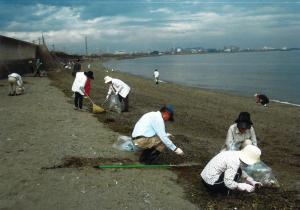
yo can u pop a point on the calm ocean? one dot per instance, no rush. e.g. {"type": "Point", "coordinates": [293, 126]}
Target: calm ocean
{"type": "Point", "coordinates": [276, 74]}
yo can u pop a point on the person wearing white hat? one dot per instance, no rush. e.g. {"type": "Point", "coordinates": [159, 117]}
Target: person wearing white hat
{"type": "Point", "coordinates": [119, 88]}
{"type": "Point", "coordinates": [222, 172]}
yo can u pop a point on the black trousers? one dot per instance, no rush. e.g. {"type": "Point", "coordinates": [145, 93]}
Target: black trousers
{"type": "Point", "coordinates": [219, 186]}
{"type": "Point", "coordinates": [78, 100]}
{"type": "Point", "coordinates": [125, 101]}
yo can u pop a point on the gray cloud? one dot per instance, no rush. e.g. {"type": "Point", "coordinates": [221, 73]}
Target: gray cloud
{"type": "Point", "coordinates": [158, 26]}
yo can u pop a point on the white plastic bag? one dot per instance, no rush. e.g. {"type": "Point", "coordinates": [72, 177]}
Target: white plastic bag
{"type": "Point", "coordinates": [115, 104]}
{"type": "Point", "coordinates": [260, 172]}
{"type": "Point", "coordinates": [124, 143]}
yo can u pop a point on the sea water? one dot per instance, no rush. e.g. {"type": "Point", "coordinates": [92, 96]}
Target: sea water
{"type": "Point", "coordinates": [275, 73]}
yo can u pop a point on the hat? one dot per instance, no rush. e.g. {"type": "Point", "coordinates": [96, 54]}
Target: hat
{"type": "Point", "coordinates": [107, 79]}
{"type": "Point", "coordinates": [250, 154]}
{"type": "Point", "coordinates": [255, 95]}
{"type": "Point", "coordinates": [89, 74]}
{"type": "Point", "coordinates": [244, 121]}
{"type": "Point", "coordinates": [170, 109]}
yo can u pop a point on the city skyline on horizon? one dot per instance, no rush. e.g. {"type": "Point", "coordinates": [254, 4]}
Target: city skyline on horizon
{"type": "Point", "coordinates": [152, 25]}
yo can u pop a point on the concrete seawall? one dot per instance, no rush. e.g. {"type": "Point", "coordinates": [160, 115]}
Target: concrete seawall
{"type": "Point", "coordinates": [16, 54]}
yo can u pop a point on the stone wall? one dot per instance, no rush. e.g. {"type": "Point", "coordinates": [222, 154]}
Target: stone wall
{"type": "Point", "coordinates": [16, 54]}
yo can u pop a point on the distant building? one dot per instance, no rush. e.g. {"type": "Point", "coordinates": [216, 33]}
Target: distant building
{"type": "Point", "coordinates": [178, 50]}
{"type": "Point", "coordinates": [120, 52]}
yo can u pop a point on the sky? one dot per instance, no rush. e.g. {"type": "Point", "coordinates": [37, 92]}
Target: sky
{"type": "Point", "coordinates": [147, 25]}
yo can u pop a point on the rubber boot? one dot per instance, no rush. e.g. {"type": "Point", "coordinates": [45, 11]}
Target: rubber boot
{"type": "Point", "coordinates": [149, 156]}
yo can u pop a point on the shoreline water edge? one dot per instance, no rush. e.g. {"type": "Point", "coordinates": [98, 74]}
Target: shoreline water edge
{"type": "Point", "coordinates": [208, 74]}
{"type": "Point", "coordinates": [202, 118]}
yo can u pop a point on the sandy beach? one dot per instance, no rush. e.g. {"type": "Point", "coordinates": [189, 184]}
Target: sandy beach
{"type": "Point", "coordinates": [48, 149]}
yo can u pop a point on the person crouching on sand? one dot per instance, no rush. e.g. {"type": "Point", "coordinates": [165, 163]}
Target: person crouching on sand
{"type": "Point", "coordinates": [149, 134]}
{"type": "Point", "coordinates": [241, 133]}
{"type": "Point", "coordinates": [16, 85]}
{"type": "Point", "coordinates": [222, 172]}
{"type": "Point", "coordinates": [262, 99]}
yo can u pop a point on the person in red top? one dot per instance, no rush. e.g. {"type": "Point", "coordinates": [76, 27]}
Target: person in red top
{"type": "Point", "coordinates": [87, 87]}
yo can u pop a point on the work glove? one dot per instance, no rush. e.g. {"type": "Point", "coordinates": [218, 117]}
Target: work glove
{"type": "Point", "coordinates": [170, 135]}
{"type": "Point", "coordinates": [178, 151]}
{"type": "Point", "coordinates": [245, 187]}
{"type": "Point", "coordinates": [254, 183]}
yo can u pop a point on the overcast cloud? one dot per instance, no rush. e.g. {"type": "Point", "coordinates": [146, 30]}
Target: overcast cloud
{"type": "Point", "coordinates": [143, 25]}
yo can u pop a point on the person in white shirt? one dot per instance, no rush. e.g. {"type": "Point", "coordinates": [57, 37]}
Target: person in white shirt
{"type": "Point", "coordinates": [78, 87]}
{"type": "Point", "coordinates": [149, 134]}
{"type": "Point", "coordinates": [15, 83]}
{"type": "Point", "coordinates": [156, 76]}
{"type": "Point", "coordinates": [241, 133]}
{"type": "Point", "coordinates": [119, 88]}
{"type": "Point", "coordinates": [222, 172]}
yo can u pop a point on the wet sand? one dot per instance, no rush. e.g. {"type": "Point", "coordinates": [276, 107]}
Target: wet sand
{"type": "Point", "coordinates": [201, 122]}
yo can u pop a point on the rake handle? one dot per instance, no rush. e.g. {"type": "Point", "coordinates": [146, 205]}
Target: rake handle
{"type": "Point", "coordinates": [144, 166]}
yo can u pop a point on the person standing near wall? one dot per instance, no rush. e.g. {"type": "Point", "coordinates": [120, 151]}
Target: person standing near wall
{"type": "Point", "coordinates": [76, 68]}
{"type": "Point", "coordinates": [15, 84]}
{"type": "Point", "coordinates": [38, 64]}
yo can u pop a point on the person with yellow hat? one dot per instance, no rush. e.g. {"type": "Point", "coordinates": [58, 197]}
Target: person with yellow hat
{"type": "Point", "coordinates": [222, 172]}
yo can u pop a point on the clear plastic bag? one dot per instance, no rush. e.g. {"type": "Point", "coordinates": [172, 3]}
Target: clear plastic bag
{"type": "Point", "coordinates": [19, 90]}
{"type": "Point", "coordinates": [260, 172]}
{"type": "Point", "coordinates": [124, 143]}
{"type": "Point", "coordinates": [115, 104]}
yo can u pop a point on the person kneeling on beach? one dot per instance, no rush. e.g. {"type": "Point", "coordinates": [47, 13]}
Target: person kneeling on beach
{"type": "Point", "coordinates": [241, 133]}
{"type": "Point", "coordinates": [78, 87]}
{"type": "Point", "coordinates": [149, 134]}
{"type": "Point", "coordinates": [16, 85]}
{"type": "Point", "coordinates": [223, 171]}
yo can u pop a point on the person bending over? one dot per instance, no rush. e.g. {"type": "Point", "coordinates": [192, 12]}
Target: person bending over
{"type": "Point", "coordinates": [119, 88]}
{"type": "Point", "coordinates": [149, 134]}
{"type": "Point", "coordinates": [222, 172]}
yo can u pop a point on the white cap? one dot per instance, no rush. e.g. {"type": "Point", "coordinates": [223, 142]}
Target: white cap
{"type": "Point", "coordinates": [250, 154]}
{"type": "Point", "coordinates": [107, 79]}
